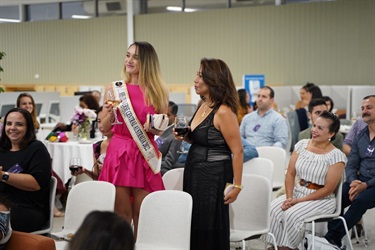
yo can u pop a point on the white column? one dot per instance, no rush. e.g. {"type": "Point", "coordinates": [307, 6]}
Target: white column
{"type": "Point", "coordinates": [130, 19]}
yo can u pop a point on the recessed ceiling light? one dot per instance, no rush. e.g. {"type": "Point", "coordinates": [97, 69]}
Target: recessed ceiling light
{"type": "Point", "coordinates": [176, 8]}
{"type": "Point", "coordinates": [80, 17]}
{"type": "Point", "coordinates": [9, 20]}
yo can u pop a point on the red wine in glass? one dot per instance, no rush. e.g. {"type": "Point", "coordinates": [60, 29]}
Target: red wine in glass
{"type": "Point", "coordinates": [181, 128]}
{"type": "Point", "coordinates": [181, 131]}
{"type": "Point", "coordinates": [74, 169]}
{"type": "Point", "coordinates": [75, 165]}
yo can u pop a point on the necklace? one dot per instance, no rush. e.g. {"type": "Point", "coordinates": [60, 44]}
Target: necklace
{"type": "Point", "coordinates": [204, 111]}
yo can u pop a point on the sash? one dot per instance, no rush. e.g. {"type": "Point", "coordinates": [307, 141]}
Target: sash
{"type": "Point", "coordinates": [135, 127]}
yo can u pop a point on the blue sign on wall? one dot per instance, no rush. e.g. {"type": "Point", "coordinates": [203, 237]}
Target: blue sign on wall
{"type": "Point", "coordinates": [252, 83]}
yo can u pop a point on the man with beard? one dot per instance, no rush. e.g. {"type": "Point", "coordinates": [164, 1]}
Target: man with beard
{"type": "Point", "coordinates": [265, 126]}
{"type": "Point", "coordinates": [358, 191]}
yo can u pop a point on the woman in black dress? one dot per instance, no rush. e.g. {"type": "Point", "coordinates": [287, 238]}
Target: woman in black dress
{"type": "Point", "coordinates": [215, 157]}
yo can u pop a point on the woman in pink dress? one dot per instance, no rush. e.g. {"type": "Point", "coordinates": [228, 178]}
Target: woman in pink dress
{"type": "Point", "coordinates": [125, 165]}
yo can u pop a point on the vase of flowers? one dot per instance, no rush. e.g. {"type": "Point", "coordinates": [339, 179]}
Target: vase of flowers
{"type": "Point", "coordinates": [81, 122]}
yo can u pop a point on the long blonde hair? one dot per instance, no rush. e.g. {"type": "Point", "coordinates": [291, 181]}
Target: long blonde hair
{"type": "Point", "coordinates": [150, 80]}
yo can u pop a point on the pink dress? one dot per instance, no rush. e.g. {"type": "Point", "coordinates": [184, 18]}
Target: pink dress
{"type": "Point", "coordinates": [124, 164]}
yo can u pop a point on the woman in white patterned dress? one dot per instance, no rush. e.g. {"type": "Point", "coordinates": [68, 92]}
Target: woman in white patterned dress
{"type": "Point", "coordinates": [320, 166]}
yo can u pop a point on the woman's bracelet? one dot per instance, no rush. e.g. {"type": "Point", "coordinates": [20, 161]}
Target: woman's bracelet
{"type": "Point", "coordinates": [238, 186]}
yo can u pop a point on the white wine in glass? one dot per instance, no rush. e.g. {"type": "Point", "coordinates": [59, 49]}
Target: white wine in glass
{"type": "Point", "coordinates": [111, 99]}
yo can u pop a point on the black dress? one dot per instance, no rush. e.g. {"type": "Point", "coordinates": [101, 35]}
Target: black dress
{"type": "Point", "coordinates": [208, 168]}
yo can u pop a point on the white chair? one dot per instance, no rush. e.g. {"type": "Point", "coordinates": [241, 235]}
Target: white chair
{"type": "Point", "coordinates": [259, 166]}
{"type": "Point", "coordinates": [165, 221]}
{"type": "Point", "coordinates": [53, 115]}
{"type": "Point", "coordinates": [173, 179]}
{"type": "Point", "coordinates": [5, 109]}
{"type": "Point", "coordinates": [250, 213]}
{"type": "Point", "coordinates": [278, 157]}
{"type": "Point", "coordinates": [84, 198]}
{"type": "Point", "coordinates": [328, 217]}
{"type": "Point", "coordinates": [52, 194]}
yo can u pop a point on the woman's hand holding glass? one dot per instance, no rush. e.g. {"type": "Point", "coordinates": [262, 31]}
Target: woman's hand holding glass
{"type": "Point", "coordinates": [181, 128]}
{"type": "Point", "coordinates": [114, 102]}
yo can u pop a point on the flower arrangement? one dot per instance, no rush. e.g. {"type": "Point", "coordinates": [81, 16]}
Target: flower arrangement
{"type": "Point", "coordinates": [83, 119]}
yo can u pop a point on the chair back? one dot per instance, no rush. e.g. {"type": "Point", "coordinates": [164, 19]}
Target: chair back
{"type": "Point", "coordinates": [250, 212]}
{"type": "Point", "coordinates": [278, 157]}
{"type": "Point", "coordinates": [53, 112]}
{"type": "Point", "coordinates": [327, 217]}
{"type": "Point", "coordinates": [86, 197]}
{"type": "Point", "coordinates": [259, 166]}
{"type": "Point", "coordinates": [165, 221]}
{"type": "Point", "coordinates": [52, 194]}
{"type": "Point", "coordinates": [173, 179]}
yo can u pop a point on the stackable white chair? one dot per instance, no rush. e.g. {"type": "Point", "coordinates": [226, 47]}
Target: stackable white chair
{"type": "Point", "coordinates": [259, 166]}
{"type": "Point", "coordinates": [250, 213]}
{"type": "Point", "coordinates": [84, 198]}
{"type": "Point", "coordinates": [165, 221]}
{"type": "Point", "coordinates": [328, 217]}
{"type": "Point", "coordinates": [173, 179]}
{"type": "Point", "coordinates": [52, 194]}
{"type": "Point", "coordinates": [278, 157]}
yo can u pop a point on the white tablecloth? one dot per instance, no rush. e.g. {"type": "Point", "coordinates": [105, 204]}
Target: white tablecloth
{"type": "Point", "coordinates": [61, 152]}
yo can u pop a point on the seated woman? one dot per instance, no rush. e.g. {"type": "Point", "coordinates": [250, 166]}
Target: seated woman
{"type": "Point", "coordinates": [100, 147]}
{"type": "Point", "coordinates": [25, 172]}
{"type": "Point", "coordinates": [26, 101]}
{"type": "Point", "coordinates": [320, 166]}
{"type": "Point", "coordinates": [86, 101]}
{"type": "Point", "coordinates": [245, 106]}
{"type": "Point", "coordinates": [102, 230]}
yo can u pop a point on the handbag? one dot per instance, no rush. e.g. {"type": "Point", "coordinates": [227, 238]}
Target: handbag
{"type": "Point", "coordinates": [156, 121]}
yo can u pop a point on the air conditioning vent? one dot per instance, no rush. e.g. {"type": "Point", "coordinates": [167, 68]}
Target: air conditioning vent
{"type": "Point", "coordinates": [113, 6]}
{"type": "Point", "coordinates": [105, 7]}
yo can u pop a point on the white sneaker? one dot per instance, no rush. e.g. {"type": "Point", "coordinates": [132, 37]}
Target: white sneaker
{"type": "Point", "coordinates": [320, 243]}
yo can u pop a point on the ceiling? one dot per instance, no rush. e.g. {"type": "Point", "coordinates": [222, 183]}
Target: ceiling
{"type": "Point", "coordinates": [38, 9]}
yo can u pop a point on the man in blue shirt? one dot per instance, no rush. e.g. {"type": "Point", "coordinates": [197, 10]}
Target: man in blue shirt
{"type": "Point", "coordinates": [265, 126]}
{"type": "Point", "coordinates": [359, 189]}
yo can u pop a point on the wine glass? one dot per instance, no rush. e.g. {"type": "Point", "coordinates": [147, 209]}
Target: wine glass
{"type": "Point", "coordinates": [181, 127]}
{"type": "Point", "coordinates": [111, 99]}
{"type": "Point", "coordinates": [75, 165]}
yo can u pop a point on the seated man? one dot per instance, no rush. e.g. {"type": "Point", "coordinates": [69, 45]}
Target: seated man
{"type": "Point", "coordinates": [265, 126]}
{"type": "Point", "coordinates": [358, 191]}
{"type": "Point", "coordinates": [249, 151]}
{"type": "Point", "coordinates": [167, 144]}
{"type": "Point", "coordinates": [357, 127]}
{"type": "Point", "coordinates": [315, 108]}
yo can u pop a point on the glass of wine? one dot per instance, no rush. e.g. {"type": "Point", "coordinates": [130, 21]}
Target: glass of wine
{"type": "Point", "coordinates": [75, 165]}
{"type": "Point", "coordinates": [181, 127]}
{"type": "Point", "coordinates": [111, 98]}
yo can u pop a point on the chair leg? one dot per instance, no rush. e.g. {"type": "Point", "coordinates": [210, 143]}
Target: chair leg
{"type": "Point", "coordinates": [365, 240]}
{"type": "Point", "coordinates": [274, 240]}
{"type": "Point", "coordinates": [347, 232]}
{"type": "Point", "coordinates": [356, 233]}
{"type": "Point", "coordinates": [313, 234]}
